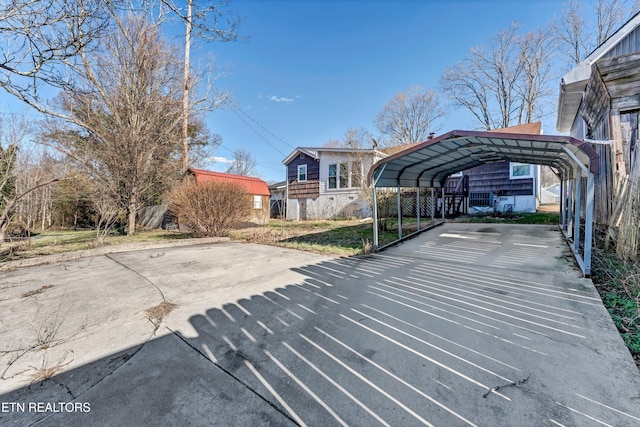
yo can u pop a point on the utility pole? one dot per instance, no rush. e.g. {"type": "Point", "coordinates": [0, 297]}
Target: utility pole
{"type": "Point", "coordinates": [185, 93]}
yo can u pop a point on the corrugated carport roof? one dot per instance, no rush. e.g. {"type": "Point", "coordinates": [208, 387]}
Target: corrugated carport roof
{"type": "Point", "coordinates": [430, 163]}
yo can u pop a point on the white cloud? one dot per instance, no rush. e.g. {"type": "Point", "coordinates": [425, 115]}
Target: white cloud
{"type": "Point", "coordinates": [281, 99]}
{"type": "Point", "coordinates": [217, 159]}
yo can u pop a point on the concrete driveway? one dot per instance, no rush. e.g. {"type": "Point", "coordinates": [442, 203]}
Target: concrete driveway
{"type": "Point", "coordinates": [467, 324]}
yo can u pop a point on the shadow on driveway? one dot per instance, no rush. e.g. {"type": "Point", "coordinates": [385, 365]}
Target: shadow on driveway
{"type": "Point", "coordinates": [465, 325]}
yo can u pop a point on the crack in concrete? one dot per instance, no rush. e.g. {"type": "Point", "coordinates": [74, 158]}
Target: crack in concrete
{"type": "Point", "coordinates": [126, 358]}
{"type": "Point", "coordinates": [74, 397]}
{"type": "Point", "coordinates": [238, 380]}
{"type": "Point", "coordinates": [513, 384]}
{"type": "Point", "coordinates": [138, 274]}
{"type": "Point", "coordinates": [66, 387]}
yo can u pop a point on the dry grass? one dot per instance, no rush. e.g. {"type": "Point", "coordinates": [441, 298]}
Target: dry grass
{"type": "Point", "coordinates": [47, 370]}
{"type": "Point", "coordinates": [343, 238]}
{"type": "Point", "coordinates": [42, 374]}
{"type": "Point", "coordinates": [158, 312]}
{"type": "Point", "coordinates": [55, 242]}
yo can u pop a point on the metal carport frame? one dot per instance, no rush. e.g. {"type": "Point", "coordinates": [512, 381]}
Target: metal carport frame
{"type": "Point", "coordinates": [429, 164]}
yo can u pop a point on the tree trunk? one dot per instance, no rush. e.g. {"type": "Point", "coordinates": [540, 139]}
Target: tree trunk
{"type": "Point", "coordinates": [3, 229]}
{"type": "Point", "coordinates": [4, 219]}
{"type": "Point", "coordinates": [44, 216]}
{"type": "Point", "coordinates": [133, 211]}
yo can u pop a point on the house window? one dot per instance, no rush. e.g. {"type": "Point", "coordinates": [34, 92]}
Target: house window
{"type": "Point", "coordinates": [257, 202]}
{"type": "Point", "coordinates": [344, 175]}
{"type": "Point", "coordinates": [333, 176]}
{"type": "Point", "coordinates": [302, 173]}
{"type": "Point", "coordinates": [520, 171]}
{"type": "Point", "coordinates": [356, 174]}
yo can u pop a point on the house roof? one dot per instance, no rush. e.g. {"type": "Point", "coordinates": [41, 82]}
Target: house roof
{"type": "Point", "coordinates": [278, 184]}
{"type": "Point", "coordinates": [396, 148]}
{"type": "Point", "coordinates": [314, 152]}
{"type": "Point", "coordinates": [574, 82]}
{"type": "Point", "coordinates": [252, 185]}
{"type": "Point", "coordinates": [430, 163]}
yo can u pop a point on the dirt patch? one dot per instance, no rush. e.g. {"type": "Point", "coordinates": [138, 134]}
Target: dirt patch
{"type": "Point", "coordinates": [548, 207]}
{"type": "Point", "coordinates": [158, 312]}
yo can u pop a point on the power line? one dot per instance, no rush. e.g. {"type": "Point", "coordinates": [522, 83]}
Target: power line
{"type": "Point", "coordinates": [257, 133]}
{"type": "Point", "coordinates": [257, 162]}
{"type": "Point", "coordinates": [236, 108]}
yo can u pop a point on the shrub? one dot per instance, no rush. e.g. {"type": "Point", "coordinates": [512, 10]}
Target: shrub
{"type": "Point", "coordinates": [209, 208]}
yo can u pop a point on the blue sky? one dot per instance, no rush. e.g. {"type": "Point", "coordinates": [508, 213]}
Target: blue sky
{"type": "Point", "coordinates": [304, 71]}
{"type": "Point", "coordinates": [308, 70]}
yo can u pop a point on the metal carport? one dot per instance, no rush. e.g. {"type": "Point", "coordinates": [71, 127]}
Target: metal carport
{"type": "Point", "coordinates": [429, 164]}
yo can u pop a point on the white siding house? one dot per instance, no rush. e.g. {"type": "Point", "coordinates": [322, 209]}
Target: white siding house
{"type": "Point", "coordinates": [325, 183]}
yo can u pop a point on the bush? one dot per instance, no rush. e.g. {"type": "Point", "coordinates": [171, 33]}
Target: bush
{"type": "Point", "coordinates": [209, 208]}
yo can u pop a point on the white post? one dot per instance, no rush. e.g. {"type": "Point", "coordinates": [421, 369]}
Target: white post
{"type": "Point", "coordinates": [569, 206]}
{"type": "Point", "coordinates": [375, 217]}
{"type": "Point", "coordinates": [418, 206]}
{"type": "Point", "coordinates": [399, 214]}
{"type": "Point", "coordinates": [561, 219]}
{"type": "Point", "coordinates": [433, 207]}
{"type": "Point", "coordinates": [588, 224]}
{"type": "Point", "coordinates": [576, 212]}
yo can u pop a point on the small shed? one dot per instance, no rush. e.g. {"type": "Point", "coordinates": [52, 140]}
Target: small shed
{"type": "Point", "coordinates": [257, 190]}
{"type": "Point", "coordinates": [278, 199]}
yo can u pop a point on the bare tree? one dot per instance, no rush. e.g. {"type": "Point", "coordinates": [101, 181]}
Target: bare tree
{"type": "Point", "coordinates": [358, 138]}
{"type": "Point", "coordinates": [536, 51]}
{"type": "Point", "coordinates": [570, 31]}
{"type": "Point", "coordinates": [13, 190]}
{"type": "Point", "coordinates": [34, 165]}
{"type": "Point", "coordinates": [242, 163]}
{"type": "Point", "coordinates": [503, 83]}
{"type": "Point", "coordinates": [410, 116]}
{"type": "Point", "coordinates": [125, 115]}
{"type": "Point", "coordinates": [41, 40]}
{"type": "Point", "coordinates": [610, 15]}
{"type": "Point", "coordinates": [44, 44]}
{"type": "Point", "coordinates": [107, 211]}
{"type": "Point", "coordinates": [578, 32]}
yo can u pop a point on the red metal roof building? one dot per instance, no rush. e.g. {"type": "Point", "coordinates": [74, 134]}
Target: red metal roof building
{"type": "Point", "coordinates": [254, 186]}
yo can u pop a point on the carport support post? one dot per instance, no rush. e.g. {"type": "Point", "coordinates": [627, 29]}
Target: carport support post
{"type": "Point", "coordinates": [375, 217]}
{"type": "Point", "coordinates": [569, 206]}
{"type": "Point", "coordinates": [418, 207]}
{"type": "Point", "coordinates": [433, 206]}
{"type": "Point", "coordinates": [399, 213]}
{"type": "Point", "coordinates": [588, 224]}
{"type": "Point", "coordinates": [576, 212]}
{"type": "Point", "coordinates": [562, 202]}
